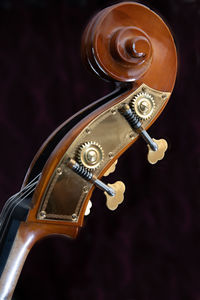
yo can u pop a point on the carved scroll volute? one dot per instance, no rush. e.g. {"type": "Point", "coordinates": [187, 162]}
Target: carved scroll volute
{"type": "Point", "coordinates": [126, 42]}
{"type": "Point", "coordinates": [131, 49]}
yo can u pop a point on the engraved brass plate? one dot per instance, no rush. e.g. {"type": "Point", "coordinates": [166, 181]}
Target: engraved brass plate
{"type": "Point", "coordinates": [67, 191]}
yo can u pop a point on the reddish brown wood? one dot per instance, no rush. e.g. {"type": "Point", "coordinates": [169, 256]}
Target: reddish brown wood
{"type": "Point", "coordinates": [107, 46]}
{"type": "Point", "coordinates": [48, 140]}
{"type": "Point", "coordinates": [128, 42]}
{"type": "Point", "coordinates": [28, 234]}
{"type": "Point", "coordinates": [125, 42]}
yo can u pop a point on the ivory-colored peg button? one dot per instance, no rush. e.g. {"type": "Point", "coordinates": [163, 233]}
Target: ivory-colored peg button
{"type": "Point", "coordinates": [113, 201]}
{"type": "Point", "coordinates": [154, 156]}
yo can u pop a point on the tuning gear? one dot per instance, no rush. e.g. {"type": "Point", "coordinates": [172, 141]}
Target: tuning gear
{"type": "Point", "coordinates": [90, 155]}
{"type": "Point", "coordinates": [143, 105]}
{"type": "Point", "coordinates": [156, 148]}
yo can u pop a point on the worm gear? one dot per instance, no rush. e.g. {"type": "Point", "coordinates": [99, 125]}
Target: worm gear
{"type": "Point", "coordinates": [90, 155]}
{"type": "Point", "coordinates": [143, 105]}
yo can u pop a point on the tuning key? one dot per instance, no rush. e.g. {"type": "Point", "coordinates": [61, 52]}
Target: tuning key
{"type": "Point", "coordinates": [156, 148]}
{"type": "Point", "coordinates": [154, 156]}
{"type": "Point", "coordinates": [113, 192]}
{"type": "Point", "coordinates": [113, 201]}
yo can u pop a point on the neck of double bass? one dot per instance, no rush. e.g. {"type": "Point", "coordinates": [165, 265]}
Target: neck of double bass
{"type": "Point", "coordinates": [23, 242]}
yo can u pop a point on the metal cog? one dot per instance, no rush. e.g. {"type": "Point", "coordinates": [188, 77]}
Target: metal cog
{"type": "Point", "coordinates": [143, 105]}
{"type": "Point", "coordinates": [90, 155]}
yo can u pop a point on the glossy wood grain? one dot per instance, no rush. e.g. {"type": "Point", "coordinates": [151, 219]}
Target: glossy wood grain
{"type": "Point", "coordinates": [128, 42]}
{"type": "Point", "coordinates": [28, 234]}
{"type": "Point", "coordinates": [125, 42]}
{"type": "Point", "coordinates": [160, 74]}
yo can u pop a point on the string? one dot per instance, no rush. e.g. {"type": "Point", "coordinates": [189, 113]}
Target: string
{"type": "Point", "coordinates": [10, 214]}
{"type": "Point", "coordinates": [14, 197]}
{"type": "Point", "coordinates": [13, 202]}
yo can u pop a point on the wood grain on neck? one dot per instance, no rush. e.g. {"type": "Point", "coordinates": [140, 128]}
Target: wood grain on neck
{"type": "Point", "coordinates": [28, 234]}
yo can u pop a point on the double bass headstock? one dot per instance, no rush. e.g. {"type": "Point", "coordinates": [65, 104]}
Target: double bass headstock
{"type": "Point", "coordinates": [129, 44]}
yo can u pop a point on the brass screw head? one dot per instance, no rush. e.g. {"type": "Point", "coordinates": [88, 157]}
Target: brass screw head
{"type": "Point", "coordinates": [42, 214]}
{"type": "Point", "coordinates": [74, 217]}
{"type": "Point", "coordinates": [59, 171]}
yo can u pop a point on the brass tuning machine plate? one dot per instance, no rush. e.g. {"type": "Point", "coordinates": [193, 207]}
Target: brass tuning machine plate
{"type": "Point", "coordinates": [95, 147]}
{"type": "Point", "coordinates": [156, 148]}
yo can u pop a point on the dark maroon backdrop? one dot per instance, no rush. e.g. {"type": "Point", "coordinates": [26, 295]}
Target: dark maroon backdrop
{"type": "Point", "coordinates": [149, 248]}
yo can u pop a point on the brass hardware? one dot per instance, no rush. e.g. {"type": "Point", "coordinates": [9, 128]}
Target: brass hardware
{"type": "Point", "coordinates": [90, 155]}
{"type": "Point", "coordinates": [87, 130]}
{"type": "Point", "coordinates": [89, 205]}
{"type": "Point", "coordinates": [113, 111]}
{"type": "Point", "coordinates": [113, 201]}
{"type": "Point", "coordinates": [157, 148]}
{"type": "Point", "coordinates": [85, 189]}
{"type": "Point", "coordinates": [59, 171]}
{"type": "Point", "coordinates": [111, 155]}
{"type": "Point", "coordinates": [88, 176]}
{"type": "Point", "coordinates": [65, 193]}
{"type": "Point", "coordinates": [154, 156]}
{"type": "Point", "coordinates": [144, 89]}
{"type": "Point", "coordinates": [143, 105]}
{"type": "Point", "coordinates": [112, 168]}
{"type": "Point", "coordinates": [42, 214]}
{"type": "Point", "coordinates": [74, 217]}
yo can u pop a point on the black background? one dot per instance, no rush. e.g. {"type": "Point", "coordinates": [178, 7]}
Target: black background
{"type": "Point", "coordinates": [149, 248]}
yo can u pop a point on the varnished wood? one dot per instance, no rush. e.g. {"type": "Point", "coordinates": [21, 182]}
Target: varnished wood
{"type": "Point", "coordinates": [106, 48]}
{"type": "Point", "coordinates": [163, 51]}
{"type": "Point", "coordinates": [59, 128]}
{"type": "Point", "coordinates": [28, 234]}
{"type": "Point", "coordinates": [128, 42]}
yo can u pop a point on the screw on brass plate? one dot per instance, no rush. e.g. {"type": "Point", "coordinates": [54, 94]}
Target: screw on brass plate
{"type": "Point", "coordinates": [59, 171]}
{"type": "Point", "coordinates": [88, 131]}
{"type": "Point", "coordinates": [113, 111]}
{"type": "Point", "coordinates": [85, 189]}
{"type": "Point", "coordinates": [164, 96]}
{"type": "Point", "coordinates": [131, 135]}
{"type": "Point", "coordinates": [74, 217]}
{"type": "Point", "coordinates": [111, 155]}
{"type": "Point", "coordinates": [42, 214]}
{"type": "Point", "coordinates": [144, 89]}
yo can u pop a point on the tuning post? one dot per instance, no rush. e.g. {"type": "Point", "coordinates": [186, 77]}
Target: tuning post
{"type": "Point", "coordinates": [87, 175]}
{"type": "Point", "coordinates": [114, 192]}
{"type": "Point", "coordinates": [156, 148]}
